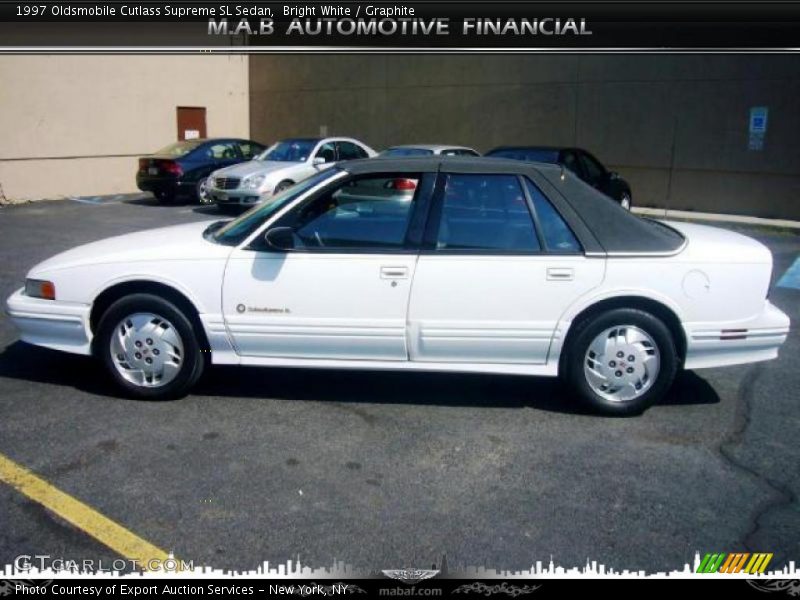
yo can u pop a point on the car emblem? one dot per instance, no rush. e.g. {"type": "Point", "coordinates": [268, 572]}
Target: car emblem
{"type": "Point", "coordinates": [411, 576]}
{"type": "Point", "coordinates": [240, 308]}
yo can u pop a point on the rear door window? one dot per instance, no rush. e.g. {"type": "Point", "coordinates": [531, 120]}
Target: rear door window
{"type": "Point", "coordinates": [222, 151]}
{"type": "Point", "coordinates": [485, 213]}
{"type": "Point", "coordinates": [249, 149]}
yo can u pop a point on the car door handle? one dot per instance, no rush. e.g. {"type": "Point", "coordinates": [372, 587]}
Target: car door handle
{"type": "Point", "coordinates": [394, 272]}
{"type": "Point", "coordinates": [564, 274]}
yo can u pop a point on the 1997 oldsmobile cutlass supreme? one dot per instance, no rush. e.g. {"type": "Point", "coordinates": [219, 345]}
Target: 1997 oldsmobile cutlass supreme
{"type": "Point", "coordinates": [439, 264]}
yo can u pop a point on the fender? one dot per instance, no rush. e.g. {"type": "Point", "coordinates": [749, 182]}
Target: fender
{"type": "Point", "coordinates": [177, 286]}
{"type": "Point", "coordinates": [567, 317]}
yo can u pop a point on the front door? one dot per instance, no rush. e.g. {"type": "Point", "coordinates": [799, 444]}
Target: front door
{"type": "Point", "coordinates": [494, 285]}
{"type": "Point", "coordinates": [342, 291]}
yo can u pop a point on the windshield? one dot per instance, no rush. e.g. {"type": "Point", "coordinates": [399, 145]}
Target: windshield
{"type": "Point", "coordinates": [407, 152]}
{"type": "Point", "coordinates": [238, 230]}
{"type": "Point", "coordinates": [289, 151]}
{"type": "Point", "coordinates": [544, 155]}
{"type": "Point", "coordinates": [179, 148]}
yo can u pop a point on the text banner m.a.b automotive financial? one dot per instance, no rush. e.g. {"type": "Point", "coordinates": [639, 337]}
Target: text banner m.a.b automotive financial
{"type": "Point", "coordinates": [350, 26]}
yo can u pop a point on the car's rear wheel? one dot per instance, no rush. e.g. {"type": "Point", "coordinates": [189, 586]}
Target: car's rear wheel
{"type": "Point", "coordinates": [621, 361]}
{"type": "Point", "coordinates": [164, 197]}
{"type": "Point", "coordinates": [149, 347]}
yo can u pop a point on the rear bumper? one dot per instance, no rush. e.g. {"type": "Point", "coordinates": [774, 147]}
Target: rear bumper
{"type": "Point", "coordinates": [738, 342]}
{"type": "Point", "coordinates": [50, 323]}
{"type": "Point", "coordinates": [164, 185]}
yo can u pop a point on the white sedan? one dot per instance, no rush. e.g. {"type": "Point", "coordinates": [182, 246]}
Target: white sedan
{"type": "Point", "coordinates": [280, 166]}
{"type": "Point", "coordinates": [492, 266]}
{"type": "Point", "coordinates": [427, 150]}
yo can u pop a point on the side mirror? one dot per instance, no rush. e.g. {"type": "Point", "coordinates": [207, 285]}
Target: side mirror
{"type": "Point", "coordinates": [280, 238]}
{"type": "Point", "coordinates": [319, 160]}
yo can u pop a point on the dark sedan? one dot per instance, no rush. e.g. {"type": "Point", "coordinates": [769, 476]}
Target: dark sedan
{"type": "Point", "coordinates": [180, 170]}
{"type": "Point", "coordinates": [579, 161]}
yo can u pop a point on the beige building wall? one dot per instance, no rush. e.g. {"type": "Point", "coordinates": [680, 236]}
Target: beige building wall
{"type": "Point", "coordinates": [675, 126]}
{"type": "Point", "coordinates": [74, 125]}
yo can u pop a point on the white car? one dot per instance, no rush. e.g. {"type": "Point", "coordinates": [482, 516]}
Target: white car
{"type": "Point", "coordinates": [409, 150]}
{"type": "Point", "coordinates": [281, 165]}
{"type": "Point", "coordinates": [494, 266]}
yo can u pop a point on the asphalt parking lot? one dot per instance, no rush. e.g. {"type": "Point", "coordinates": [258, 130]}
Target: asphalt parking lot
{"type": "Point", "coordinates": [384, 470]}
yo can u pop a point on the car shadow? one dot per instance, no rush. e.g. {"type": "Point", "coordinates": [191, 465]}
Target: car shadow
{"type": "Point", "coordinates": [25, 362]}
{"type": "Point", "coordinates": [150, 200]}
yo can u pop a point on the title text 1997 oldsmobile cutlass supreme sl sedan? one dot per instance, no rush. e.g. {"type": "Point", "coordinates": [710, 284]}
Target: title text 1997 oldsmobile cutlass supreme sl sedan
{"type": "Point", "coordinates": [442, 264]}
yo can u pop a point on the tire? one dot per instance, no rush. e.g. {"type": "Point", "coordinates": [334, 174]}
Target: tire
{"type": "Point", "coordinates": [649, 360]}
{"type": "Point", "coordinates": [283, 185]}
{"type": "Point", "coordinates": [164, 335]}
{"type": "Point", "coordinates": [201, 191]}
{"type": "Point", "coordinates": [164, 197]}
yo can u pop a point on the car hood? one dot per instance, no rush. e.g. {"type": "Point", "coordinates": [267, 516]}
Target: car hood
{"type": "Point", "coordinates": [253, 167]}
{"type": "Point", "coordinates": [178, 242]}
{"type": "Point", "coordinates": [705, 243]}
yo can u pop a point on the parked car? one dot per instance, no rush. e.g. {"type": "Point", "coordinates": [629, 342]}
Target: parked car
{"type": "Point", "coordinates": [517, 268]}
{"type": "Point", "coordinates": [181, 169]}
{"type": "Point", "coordinates": [428, 150]}
{"type": "Point", "coordinates": [579, 161]}
{"type": "Point", "coordinates": [280, 166]}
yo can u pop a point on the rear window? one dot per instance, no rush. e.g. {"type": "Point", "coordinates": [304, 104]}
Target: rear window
{"type": "Point", "coordinates": [527, 154]}
{"type": "Point", "coordinates": [178, 149]}
{"type": "Point", "coordinates": [558, 237]}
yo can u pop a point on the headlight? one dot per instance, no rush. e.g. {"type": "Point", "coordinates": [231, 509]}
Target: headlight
{"type": "Point", "coordinates": [253, 182]}
{"type": "Point", "coordinates": [210, 182]}
{"type": "Point", "coordinates": [38, 288]}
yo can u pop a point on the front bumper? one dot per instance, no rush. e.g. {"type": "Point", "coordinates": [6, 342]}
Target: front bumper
{"type": "Point", "coordinates": [737, 342]}
{"type": "Point", "coordinates": [50, 323]}
{"type": "Point", "coordinates": [234, 197]}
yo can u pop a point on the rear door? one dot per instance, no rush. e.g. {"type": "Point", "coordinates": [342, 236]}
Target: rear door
{"type": "Point", "coordinates": [499, 268]}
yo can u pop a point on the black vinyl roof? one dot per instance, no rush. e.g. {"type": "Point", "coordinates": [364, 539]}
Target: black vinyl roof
{"type": "Point", "coordinates": [601, 224]}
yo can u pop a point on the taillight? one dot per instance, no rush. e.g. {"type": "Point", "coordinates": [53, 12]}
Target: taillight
{"type": "Point", "coordinates": [171, 167]}
{"type": "Point", "coordinates": [401, 184]}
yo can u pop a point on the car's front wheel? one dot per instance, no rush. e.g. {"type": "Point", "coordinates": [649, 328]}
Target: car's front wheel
{"type": "Point", "coordinates": [149, 347]}
{"type": "Point", "coordinates": [201, 191]}
{"type": "Point", "coordinates": [621, 361]}
{"type": "Point", "coordinates": [282, 186]}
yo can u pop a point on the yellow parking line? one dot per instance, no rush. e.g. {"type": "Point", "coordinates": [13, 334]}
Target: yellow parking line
{"type": "Point", "coordinates": [85, 518]}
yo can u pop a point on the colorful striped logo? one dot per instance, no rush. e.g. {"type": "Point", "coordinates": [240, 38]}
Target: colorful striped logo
{"type": "Point", "coordinates": [736, 562]}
